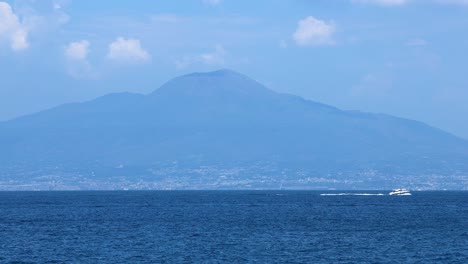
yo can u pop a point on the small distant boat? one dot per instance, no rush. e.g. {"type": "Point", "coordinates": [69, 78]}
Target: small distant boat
{"type": "Point", "coordinates": [400, 192]}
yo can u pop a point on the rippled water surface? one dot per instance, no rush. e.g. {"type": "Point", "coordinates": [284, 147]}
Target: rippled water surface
{"type": "Point", "coordinates": [233, 226]}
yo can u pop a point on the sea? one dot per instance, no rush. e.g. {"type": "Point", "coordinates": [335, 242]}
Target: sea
{"type": "Point", "coordinates": [233, 227]}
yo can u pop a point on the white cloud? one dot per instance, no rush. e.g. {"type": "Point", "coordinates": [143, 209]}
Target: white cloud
{"type": "Point", "coordinates": [217, 57]}
{"type": "Point", "coordinates": [127, 50]}
{"type": "Point", "coordinates": [212, 2]}
{"type": "Point", "coordinates": [313, 32]}
{"type": "Point", "coordinates": [19, 40]}
{"type": "Point", "coordinates": [76, 54]}
{"type": "Point", "coordinates": [11, 29]}
{"type": "Point", "coordinates": [59, 15]}
{"type": "Point", "coordinates": [77, 51]}
{"type": "Point", "coordinates": [383, 2]}
{"type": "Point", "coordinates": [17, 26]}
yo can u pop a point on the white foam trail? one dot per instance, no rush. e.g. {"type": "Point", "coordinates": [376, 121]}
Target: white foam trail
{"type": "Point", "coordinates": [352, 194]}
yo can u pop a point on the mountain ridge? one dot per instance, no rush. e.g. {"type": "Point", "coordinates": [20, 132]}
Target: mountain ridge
{"type": "Point", "coordinates": [225, 119]}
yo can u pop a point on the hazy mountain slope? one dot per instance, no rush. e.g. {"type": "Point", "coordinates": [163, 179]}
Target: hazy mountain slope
{"type": "Point", "coordinates": [224, 118]}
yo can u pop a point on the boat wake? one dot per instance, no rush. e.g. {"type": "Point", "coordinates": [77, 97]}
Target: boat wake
{"type": "Point", "coordinates": [351, 194]}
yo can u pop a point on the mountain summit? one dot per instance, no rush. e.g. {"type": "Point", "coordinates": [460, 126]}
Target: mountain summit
{"type": "Point", "coordinates": [232, 124]}
{"type": "Point", "coordinates": [217, 83]}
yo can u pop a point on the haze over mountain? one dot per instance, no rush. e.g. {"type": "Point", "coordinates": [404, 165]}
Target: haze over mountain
{"type": "Point", "coordinates": [227, 121]}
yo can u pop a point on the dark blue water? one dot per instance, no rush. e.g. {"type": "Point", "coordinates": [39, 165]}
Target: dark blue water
{"type": "Point", "coordinates": [232, 226]}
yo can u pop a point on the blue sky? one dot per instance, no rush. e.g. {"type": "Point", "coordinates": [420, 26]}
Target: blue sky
{"type": "Point", "coordinates": [402, 57]}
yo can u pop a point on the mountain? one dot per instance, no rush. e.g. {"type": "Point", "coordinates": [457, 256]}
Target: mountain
{"type": "Point", "coordinates": [218, 129]}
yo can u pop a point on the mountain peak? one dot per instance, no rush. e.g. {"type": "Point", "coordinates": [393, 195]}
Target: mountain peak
{"type": "Point", "coordinates": [223, 82]}
{"type": "Point", "coordinates": [216, 73]}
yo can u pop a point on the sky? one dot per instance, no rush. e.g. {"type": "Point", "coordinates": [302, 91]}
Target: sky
{"type": "Point", "coordinates": [401, 57]}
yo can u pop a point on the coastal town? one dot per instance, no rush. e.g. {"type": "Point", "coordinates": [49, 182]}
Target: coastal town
{"type": "Point", "coordinates": [215, 178]}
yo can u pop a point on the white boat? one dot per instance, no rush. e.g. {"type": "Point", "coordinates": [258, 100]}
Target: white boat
{"type": "Point", "coordinates": [400, 192]}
